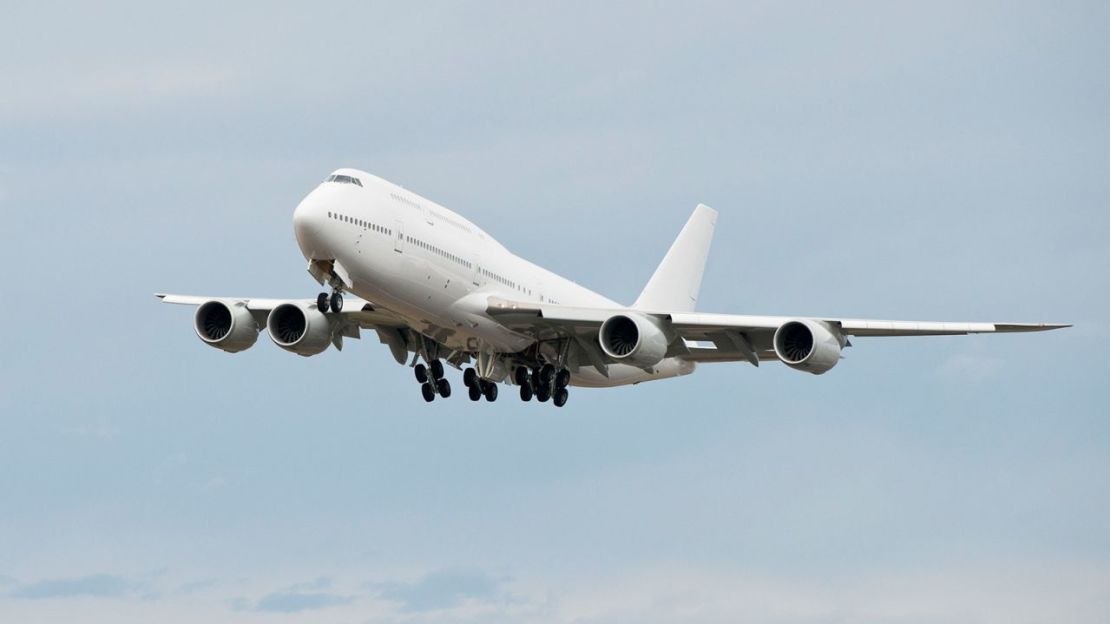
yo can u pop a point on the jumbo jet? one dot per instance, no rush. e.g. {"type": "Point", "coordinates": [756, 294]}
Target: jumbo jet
{"type": "Point", "coordinates": [434, 285]}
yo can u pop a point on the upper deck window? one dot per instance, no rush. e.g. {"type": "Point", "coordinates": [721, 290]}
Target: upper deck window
{"type": "Point", "coordinates": [344, 179]}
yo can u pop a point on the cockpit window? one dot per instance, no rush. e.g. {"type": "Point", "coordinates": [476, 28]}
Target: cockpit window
{"type": "Point", "coordinates": [344, 179]}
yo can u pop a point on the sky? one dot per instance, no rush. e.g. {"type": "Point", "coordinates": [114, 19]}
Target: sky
{"type": "Point", "coordinates": [940, 161]}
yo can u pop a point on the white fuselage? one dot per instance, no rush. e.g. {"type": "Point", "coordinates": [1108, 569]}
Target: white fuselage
{"type": "Point", "coordinates": [437, 271]}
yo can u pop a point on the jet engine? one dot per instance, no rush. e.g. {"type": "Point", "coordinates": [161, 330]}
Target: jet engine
{"type": "Point", "coordinates": [225, 325]}
{"type": "Point", "coordinates": [300, 329]}
{"type": "Point", "coordinates": [634, 338]}
{"type": "Point", "coordinates": [807, 345]}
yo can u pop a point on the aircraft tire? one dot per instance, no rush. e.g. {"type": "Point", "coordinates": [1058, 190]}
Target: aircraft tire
{"type": "Point", "coordinates": [562, 378]}
{"type": "Point", "coordinates": [547, 374]}
{"type": "Point", "coordinates": [560, 397]}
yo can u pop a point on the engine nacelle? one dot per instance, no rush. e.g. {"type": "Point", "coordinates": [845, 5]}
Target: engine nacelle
{"type": "Point", "coordinates": [633, 338]}
{"type": "Point", "coordinates": [226, 326]}
{"type": "Point", "coordinates": [807, 345]}
{"type": "Point", "coordinates": [301, 329]}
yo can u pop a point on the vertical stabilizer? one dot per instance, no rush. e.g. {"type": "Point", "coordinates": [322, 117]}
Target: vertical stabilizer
{"type": "Point", "coordinates": [677, 280]}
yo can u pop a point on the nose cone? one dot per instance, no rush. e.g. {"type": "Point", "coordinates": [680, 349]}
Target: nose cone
{"type": "Point", "coordinates": [308, 220]}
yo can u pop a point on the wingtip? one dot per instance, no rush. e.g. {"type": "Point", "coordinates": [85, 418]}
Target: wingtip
{"type": "Point", "coordinates": [160, 295]}
{"type": "Point", "coordinates": [1029, 327]}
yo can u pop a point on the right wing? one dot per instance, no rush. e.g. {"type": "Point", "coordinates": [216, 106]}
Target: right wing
{"type": "Point", "coordinates": [356, 311]}
{"type": "Point", "coordinates": [222, 331]}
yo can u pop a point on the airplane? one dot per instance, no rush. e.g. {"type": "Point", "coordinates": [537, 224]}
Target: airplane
{"type": "Point", "coordinates": [432, 284]}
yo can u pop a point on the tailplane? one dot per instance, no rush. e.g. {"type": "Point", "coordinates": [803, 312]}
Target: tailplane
{"type": "Point", "coordinates": [677, 280]}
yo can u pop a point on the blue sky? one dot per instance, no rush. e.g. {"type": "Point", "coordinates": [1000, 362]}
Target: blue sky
{"type": "Point", "coordinates": [943, 161]}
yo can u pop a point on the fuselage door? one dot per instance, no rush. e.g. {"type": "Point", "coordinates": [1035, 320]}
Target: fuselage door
{"type": "Point", "coordinates": [475, 274]}
{"type": "Point", "coordinates": [398, 236]}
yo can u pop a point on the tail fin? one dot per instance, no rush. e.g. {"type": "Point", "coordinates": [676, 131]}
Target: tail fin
{"type": "Point", "coordinates": [677, 280]}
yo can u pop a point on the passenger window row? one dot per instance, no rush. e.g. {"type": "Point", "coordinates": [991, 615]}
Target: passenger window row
{"type": "Point", "coordinates": [505, 281]}
{"type": "Point", "coordinates": [370, 225]}
{"type": "Point", "coordinates": [438, 251]}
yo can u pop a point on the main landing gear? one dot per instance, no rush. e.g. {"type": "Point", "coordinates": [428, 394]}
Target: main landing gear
{"type": "Point", "coordinates": [431, 381]}
{"type": "Point", "coordinates": [478, 388]}
{"type": "Point", "coordinates": [545, 383]}
{"type": "Point", "coordinates": [333, 303]}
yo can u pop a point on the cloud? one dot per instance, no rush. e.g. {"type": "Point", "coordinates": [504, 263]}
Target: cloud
{"type": "Point", "coordinates": [301, 597]}
{"type": "Point", "coordinates": [292, 601]}
{"type": "Point", "coordinates": [102, 585]}
{"type": "Point", "coordinates": [1011, 592]}
{"type": "Point", "coordinates": [441, 589]}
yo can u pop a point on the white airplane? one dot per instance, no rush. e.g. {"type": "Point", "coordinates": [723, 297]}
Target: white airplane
{"type": "Point", "coordinates": [431, 283]}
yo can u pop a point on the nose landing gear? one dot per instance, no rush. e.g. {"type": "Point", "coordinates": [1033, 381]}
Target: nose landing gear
{"type": "Point", "coordinates": [333, 303]}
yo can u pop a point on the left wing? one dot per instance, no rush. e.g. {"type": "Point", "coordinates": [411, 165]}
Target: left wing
{"type": "Point", "coordinates": [732, 337]}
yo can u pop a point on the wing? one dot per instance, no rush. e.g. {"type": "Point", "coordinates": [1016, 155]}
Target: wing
{"type": "Point", "coordinates": [724, 337]}
{"type": "Point", "coordinates": [356, 311]}
{"type": "Point", "coordinates": [357, 314]}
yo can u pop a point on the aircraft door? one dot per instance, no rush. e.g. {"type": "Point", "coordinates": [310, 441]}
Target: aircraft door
{"type": "Point", "coordinates": [475, 274]}
{"type": "Point", "coordinates": [398, 236]}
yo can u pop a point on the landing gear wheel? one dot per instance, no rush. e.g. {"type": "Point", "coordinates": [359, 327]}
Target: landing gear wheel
{"type": "Point", "coordinates": [421, 373]}
{"type": "Point", "coordinates": [490, 390]}
{"type": "Point", "coordinates": [428, 392]}
{"type": "Point", "coordinates": [543, 393]}
{"type": "Point", "coordinates": [520, 376]}
{"type": "Point", "coordinates": [322, 302]}
{"type": "Point", "coordinates": [525, 392]}
{"type": "Point", "coordinates": [337, 301]}
{"type": "Point", "coordinates": [562, 378]}
{"type": "Point", "coordinates": [444, 388]}
{"type": "Point", "coordinates": [475, 392]}
{"type": "Point", "coordinates": [560, 397]}
{"type": "Point", "coordinates": [470, 377]}
{"type": "Point", "coordinates": [547, 374]}
{"type": "Point", "coordinates": [437, 369]}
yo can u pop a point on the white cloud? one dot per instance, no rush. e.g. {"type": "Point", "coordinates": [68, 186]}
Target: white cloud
{"type": "Point", "coordinates": [1073, 593]}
